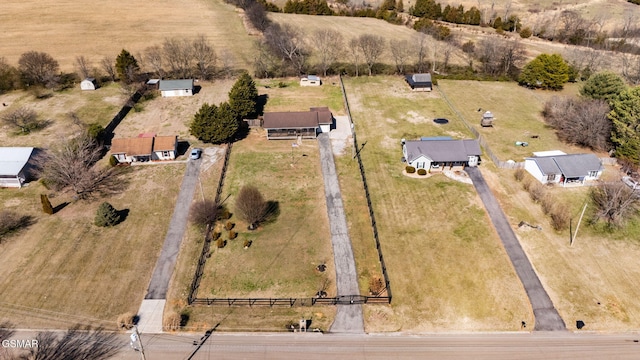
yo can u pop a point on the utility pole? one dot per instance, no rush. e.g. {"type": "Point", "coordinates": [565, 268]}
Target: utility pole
{"type": "Point", "coordinates": [135, 339]}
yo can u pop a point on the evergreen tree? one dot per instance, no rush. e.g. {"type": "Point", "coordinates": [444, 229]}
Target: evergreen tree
{"type": "Point", "coordinates": [546, 72]}
{"type": "Point", "coordinates": [399, 6]}
{"type": "Point", "coordinates": [213, 124]}
{"type": "Point", "coordinates": [127, 66]}
{"type": "Point", "coordinates": [243, 97]}
{"type": "Point", "coordinates": [625, 114]}
{"type": "Point", "coordinates": [605, 85]}
{"type": "Point", "coordinates": [46, 204]}
{"type": "Point", "coordinates": [106, 215]}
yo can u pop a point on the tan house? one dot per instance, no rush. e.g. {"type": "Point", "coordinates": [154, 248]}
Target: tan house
{"type": "Point", "coordinates": [294, 124]}
{"type": "Point", "coordinates": [145, 148]}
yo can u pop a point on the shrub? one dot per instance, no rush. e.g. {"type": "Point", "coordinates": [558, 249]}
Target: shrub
{"type": "Point", "coordinates": [229, 225]}
{"type": "Point", "coordinates": [422, 172]}
{"type": "Point", "coordinates": [232, 234]}
{"type": "Point", "coordinates": [548, 203]}
{"type": "Point", "coordinates": [204, 212]}
{"type": "Point", "coordinates": [11, 222]}
{"type": "Point", "coordinates": [282, 84]}
{"type": "Point", "coordinates": [46, 204]}
{"type": "Point", "coordinates": [526, 33]}
{"type": "Point", "coordinates": [410, 169]}
{"type": "Point", "coordinates": [560, 217]}
{"type": "Point", "coordinates": [126, 321]}
{"type": "Point", "coordinates": [172, 321]}
{"type": "Point", "coordinates": [220, 243]}
{"type": "Point", "coordinates": [519, 174]}
{"type": "Point", "coordinates": [247, 243]}
{"type": "Point", "coordinates": [250, 205]}
{"type": "Point", "coordinates": [106, 215]}
{"type": "Point", "coordinates": [113, 161]}
{"type": "Point", "coordinates": [215, 235]}
{"type": "Point", "coordinates": [537, 191]}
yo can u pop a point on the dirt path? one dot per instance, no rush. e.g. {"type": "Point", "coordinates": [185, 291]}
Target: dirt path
{"type": "Point", "coordinates": [349, 318]}
{"type": "Point", "coordinates": [546, 315]}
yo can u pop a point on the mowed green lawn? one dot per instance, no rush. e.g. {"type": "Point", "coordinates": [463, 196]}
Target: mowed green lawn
{"type": "Point", "coordinates": [447, 267]}
{"type": "Point", "coordinates": [518, 114]}
{"type": "Point", "coordinates": [63, 269]}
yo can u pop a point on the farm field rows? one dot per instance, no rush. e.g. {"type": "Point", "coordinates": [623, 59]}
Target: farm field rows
{"type": "Point", "coordinates": [446, 264]}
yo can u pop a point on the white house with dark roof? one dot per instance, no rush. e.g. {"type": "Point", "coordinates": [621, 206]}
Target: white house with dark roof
{"type": "Point", "coordinates": [437, 154]}
{"type": "Point", "coordinates": [310, 80]}
{"type": "Point", "coordinates": [419, 82]}
{"type": "Point", "coordinates": [294, 124]}
{"type": "Point", "coordinates": [171, 88]}
{"type": "Point", "coordinates": [565, 169]}
{"type": "Point", "coordinates": [14, 166]}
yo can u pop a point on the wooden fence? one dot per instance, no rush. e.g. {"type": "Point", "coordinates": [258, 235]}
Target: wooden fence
{"type": "Point", "coordinates": [372, 215]}
{"type": "Point", "coordinates": [294, 302]}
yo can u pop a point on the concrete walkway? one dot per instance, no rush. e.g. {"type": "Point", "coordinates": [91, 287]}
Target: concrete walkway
{"type": "Point", "coordinates": [163, 271]}
{"type": "Point", "coordinates": [349, 318]}
{"type": "Point", "coordinates": [546, 315]}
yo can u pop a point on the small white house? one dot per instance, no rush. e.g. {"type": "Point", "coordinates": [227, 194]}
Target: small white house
{"type": "Point", "coordinates": [310, 80]}
{"type": "Point", "coordinates": [88, 84]}
{"type": "Point", "coordinates": [14, 166]}
{"type": "Point", "coordinates": [565, 169]}
{"type": "Point", "coordinates": [165, 147]}
{"type": "Point", "coordinates": [171, 88]}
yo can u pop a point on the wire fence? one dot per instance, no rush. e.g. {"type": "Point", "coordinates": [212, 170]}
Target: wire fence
{"type": "Point", "coordinates": [372, 214]}
{"type": "Point", "coordinates": [293, 302]}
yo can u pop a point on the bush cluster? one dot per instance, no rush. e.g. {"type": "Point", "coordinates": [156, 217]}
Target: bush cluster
{"type": "Point", "coordinates": [422, 172]}
{"type": "Point", "coordinates": [410, 169]}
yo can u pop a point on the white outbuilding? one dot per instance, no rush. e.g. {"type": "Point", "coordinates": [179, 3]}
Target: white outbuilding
{"type": "Point", "coordinates": [14, 166]}
{"type": "Point", "coordinates": [88, 84]}
{"type": "Point", "coordinates": [170, 88]}
{"type": "Point", "coordinates": [310, 80]}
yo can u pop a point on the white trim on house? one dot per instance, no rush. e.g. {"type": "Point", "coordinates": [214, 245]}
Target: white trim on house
{"type": "Point", "coordinates": [13, 166]}
{"type": "Point", "coordinates": [173, 88]}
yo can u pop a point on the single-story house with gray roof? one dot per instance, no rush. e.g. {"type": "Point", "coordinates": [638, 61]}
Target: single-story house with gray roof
{"type": "Point", "coordinates": [170, 88]}
{"type": "Point", "coordinates": [14, 166]}
{"type": "Point", "coordinates": [437, 155]}
{"type": "Point", "coordinates": [419, 82]}
{"type": "Point", "coordinates": [565, 169]}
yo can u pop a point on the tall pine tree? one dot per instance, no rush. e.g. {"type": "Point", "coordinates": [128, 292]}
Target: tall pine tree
{"type": "Point", "coordinates": [243, 97]}
{"type": "Point", "coordinates": [127, 66]}
{"type": "Point", "coordinates": [215, 124]}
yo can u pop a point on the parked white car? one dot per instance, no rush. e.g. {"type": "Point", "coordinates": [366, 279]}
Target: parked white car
{"type": "Point", "coordinates": [195, 154]}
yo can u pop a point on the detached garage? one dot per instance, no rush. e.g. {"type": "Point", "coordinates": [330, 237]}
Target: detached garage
{"type": "Point", "coordinates": [171, 88]}
{"type": "Point", "coordinates": [14, 166]}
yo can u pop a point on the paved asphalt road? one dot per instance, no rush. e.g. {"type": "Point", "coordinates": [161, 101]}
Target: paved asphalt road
{"type": "Point", "coordinates": [309, 346]}
{"type": "Point", "coordinates": [178, 224]}
{"type": "Point", "coordinates": [546, 315]}
{"type": "Point", "coordinates": [349, 318]}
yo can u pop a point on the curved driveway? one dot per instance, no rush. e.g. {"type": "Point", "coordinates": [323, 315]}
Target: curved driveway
{"type": "Point", "coordinates": [546, 315]}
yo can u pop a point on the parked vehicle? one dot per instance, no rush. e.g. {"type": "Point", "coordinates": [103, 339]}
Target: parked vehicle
{"type": "Point", "coordinates": [195, 154]}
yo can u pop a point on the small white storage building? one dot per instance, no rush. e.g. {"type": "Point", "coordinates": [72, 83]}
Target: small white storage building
{"type": "Point", "coordinates": [170, 88]}
{"type": "Point", "coordinates": [88, 84]}
{"type": "Point", "coordinates": [310, 80]}
{"type": "Point", "coordinates": [14, 166]}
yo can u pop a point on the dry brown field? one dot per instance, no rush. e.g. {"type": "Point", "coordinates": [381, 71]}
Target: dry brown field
{"type": "Point", "coordinates": [94, 29]}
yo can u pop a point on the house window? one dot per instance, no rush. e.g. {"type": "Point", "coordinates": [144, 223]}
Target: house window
{"type": "Point", "coordinates": [420, 165]}
{"type": "Point", "coordinates": [551, 177]}
{"type": "Point", "coordinates": [165, 154]}
{"type": "Point", "coordinates": [593, 173]}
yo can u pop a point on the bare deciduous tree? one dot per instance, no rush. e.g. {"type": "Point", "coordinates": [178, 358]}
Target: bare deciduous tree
{"type": "Point", "coordinates": [178, 54]}
{"type": "Point", "coordinates": [77, 343]}
{"type": "Point", "coordinates": [204, 212]}
{"type": "Point", "coordinates": [204, 56]}
{"type": "Point", "coordinates": [108, 65]}
{"type": "Point", "coordinates": [469, 49]}
{"type": "Point", "coordinates": [83, 66]}
{"type": "Point", "coordinates": [251, 206]}
{"type": "Point", "coordinates": [499, 57]}
{"type": "Point", "coordinates": [354, 51]}
{"type": "Point", "coordinates": [420, 41]}
{"type": "Point", "coordinates": [580, 121]}
{"type": "Point", "coordinates": [631, 68]}
{"type": "Point", "coordinates": [614, 202]}
{"type": "Point", "coordinates": [72, 165]}
{"type": "Point", "coordinates": [227, 59]}
{"type": "Point", "coordinates": [24, 119]}
{"type": "Point", "coordinates": [153, 59]}
{"type": "Point", "coordinates": [287, 42]}
{"type": "Point", "coordinates": [401, 52]}
{"type": "Point", "coordinates": [39, 68]}
{"type": "Point", "coordinates": [372, 47]}
{"type": "Point", "coordinates": [329, 45]}
{"type": "Point", "coordinates": [257, 16]}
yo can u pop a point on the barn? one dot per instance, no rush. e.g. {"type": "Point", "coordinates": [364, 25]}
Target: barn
{"type": "Point", "coordinates": [14, 166]}
{"type": "Point", "coordinates": [172, 88]}
{"type": "Point", "coordinates": [88, 84]}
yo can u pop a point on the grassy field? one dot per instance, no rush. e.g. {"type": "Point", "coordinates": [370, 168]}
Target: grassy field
{"type": "Point", "coordinates": [90, 106]}
{"type": "Point", "coordinates": [517, 111]}
{"type": "Point", "coordinates": [64, 270]}
{"type": "Point", "coordinates": [96, 29]}
{"type": "Point", "coordinates": [293, 97]}
{"type": "Point", "coordinates": [447, 267]}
